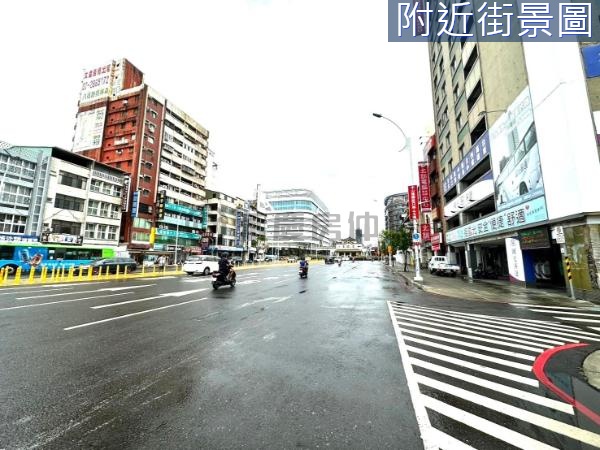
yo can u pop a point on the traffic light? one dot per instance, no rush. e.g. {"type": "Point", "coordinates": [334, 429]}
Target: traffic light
{"type": "Point", "coordinates": [160, 208]}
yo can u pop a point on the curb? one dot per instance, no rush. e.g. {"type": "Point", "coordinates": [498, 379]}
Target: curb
{"type": "Point", "coordinates": [408, 279]}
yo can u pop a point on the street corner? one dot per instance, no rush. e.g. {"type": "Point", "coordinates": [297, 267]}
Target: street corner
{"type": "Point", "coordinates": [572, 373]}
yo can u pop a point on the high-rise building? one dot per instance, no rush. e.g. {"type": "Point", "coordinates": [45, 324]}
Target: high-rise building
{"type": "Point", "coordinates": [297, 222]}
{"type": "Point", "coordinates": [123, 122]}
{"type": "Point", "coordinates": [359, 236]}
{"type": "Point", "coordinates": [518, 152]}
{"type": "Point", "coordinates": [396, 211]}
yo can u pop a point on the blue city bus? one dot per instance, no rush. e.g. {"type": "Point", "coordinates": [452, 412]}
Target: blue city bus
{"type": "Point", "coordinates": [32, 254]}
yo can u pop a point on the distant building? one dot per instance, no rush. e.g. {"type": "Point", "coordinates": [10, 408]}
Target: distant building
{"type": "Point", "coordinates": [48, 194]}
{"type": "Point", "coordinates": [396, 211]}
{"type": "Point", "coordinates": [297, 222]}
{"type": "Point", "coordinates": [348, 247]}
{"type": "Point", "coordinates": [359, 236]}
{"type": "Point", "coordinates": [235, 226]}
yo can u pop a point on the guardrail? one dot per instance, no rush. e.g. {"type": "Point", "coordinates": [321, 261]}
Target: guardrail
{"type": "Point", "coordinates": [69, 275]}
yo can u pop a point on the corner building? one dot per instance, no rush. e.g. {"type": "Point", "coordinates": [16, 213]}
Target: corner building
{"type": "Point", "coordinates": [518, 154]}
{"type": "Point", "coordinates": [124, 123]}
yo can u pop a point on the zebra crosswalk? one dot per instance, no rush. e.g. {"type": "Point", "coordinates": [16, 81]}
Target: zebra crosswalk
{"type": "Point", "coordinates": [580, 316]}
{"type": "Point", "coordinates": [472, 384]}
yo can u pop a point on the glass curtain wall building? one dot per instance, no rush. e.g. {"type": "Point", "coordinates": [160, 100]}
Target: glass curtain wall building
{"type": "Point", "coordinates": [297, 222]}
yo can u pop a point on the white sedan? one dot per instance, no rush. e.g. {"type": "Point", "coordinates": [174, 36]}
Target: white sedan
{"type": "Point", "coordinates": [204, 264]}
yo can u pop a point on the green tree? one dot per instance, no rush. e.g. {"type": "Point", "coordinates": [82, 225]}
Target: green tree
{"type": "Point", "coordinates": [398, 240]}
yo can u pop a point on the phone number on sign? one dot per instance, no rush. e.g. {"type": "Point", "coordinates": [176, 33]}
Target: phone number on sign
{"type": "Point", "coordinates": [95, 83]}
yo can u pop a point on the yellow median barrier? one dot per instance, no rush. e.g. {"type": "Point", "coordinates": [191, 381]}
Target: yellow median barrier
{"type": "Point", "coordinates": [44, 274]}
{"type": "Point", "coordinates": [164, 269]}
{"type": "Point", "coordinates": [154, 270]}
{"type": "Point", "coordinates": [143, 269]}
{"type": "Point", "coordinates": [2, 276]}
{"type": "Point", "coordinates": [99, 277]}
{"type": "Point", "coordinates": [71, 273]}
{"type": "Point", "coordinates": [90, 273]}
{"type": "Point", "coordinates": [17, 279]}
{"type": "Point", "coordinates": [80, 274]}
{"type": "Point", "coordinates": [31, 274]}
{"type": "Point", "coordinates": [62, 273]}
{"type": "Point", "coordinates": [125, 272]}
{"type": "Point", "coordinates": [117, 272]}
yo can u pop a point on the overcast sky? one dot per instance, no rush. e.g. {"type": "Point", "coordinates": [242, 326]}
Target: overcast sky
{"type": "Point", "coordinates": [286, 88]}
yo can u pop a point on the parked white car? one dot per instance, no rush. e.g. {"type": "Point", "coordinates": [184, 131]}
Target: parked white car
{"type": "Point", "coordinates": [441, 266]}
{"type": "Point", "coordinates": [204, 264]}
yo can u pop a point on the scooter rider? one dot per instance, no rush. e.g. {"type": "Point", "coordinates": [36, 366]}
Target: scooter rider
{"type": "Point", "coordinates": [224, 266]}
{"type": "Point", "coordinates": [303, 264]}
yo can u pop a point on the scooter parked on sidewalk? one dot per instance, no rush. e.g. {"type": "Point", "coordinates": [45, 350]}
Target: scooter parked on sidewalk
{"type": "Point", "coordinates": [487, 273]}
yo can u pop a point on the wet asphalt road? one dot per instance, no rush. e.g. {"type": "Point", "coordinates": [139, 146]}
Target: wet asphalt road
{"type": "Point", "coordinates": [276, 362]}
{"type": "Point", "coordinates": [348, 358]}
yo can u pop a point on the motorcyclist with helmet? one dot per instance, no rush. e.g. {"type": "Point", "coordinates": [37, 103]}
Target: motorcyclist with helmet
{"type": "Point", "coordinates": [224, 267]}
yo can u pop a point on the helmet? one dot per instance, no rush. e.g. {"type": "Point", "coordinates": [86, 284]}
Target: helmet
{"type": "Point", "coordinates": [224, 255]}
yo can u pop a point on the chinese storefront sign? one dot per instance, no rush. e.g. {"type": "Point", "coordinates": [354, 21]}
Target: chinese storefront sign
{"type": "Point", "coordinates": [424, 187]}
{"type": "Point", "coordinates": [413, 203]}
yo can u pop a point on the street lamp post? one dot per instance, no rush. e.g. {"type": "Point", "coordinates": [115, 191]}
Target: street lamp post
{"type": "Point", "coordinates": [407, 145]}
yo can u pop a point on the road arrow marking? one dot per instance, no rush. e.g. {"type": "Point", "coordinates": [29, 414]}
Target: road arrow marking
{"type": "Point", "coordinates": [166, 294]}
{"type": "Point", "coordinates": [126, 287]}
{"type": "Point", "coordinates": [64, 301]}
{"type": "Point", "coordinates": [132, 314]}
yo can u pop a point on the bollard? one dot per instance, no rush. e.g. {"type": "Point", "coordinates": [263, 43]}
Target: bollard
{"type": "Point", "coordinates": [71, 273]}
{"type": "Point", "coordinates": [52, 274]}
{"type": "Point", "coordinates": [2, 276]}
{"type": "Point", "coordinates": [44, 274]}
{"type": "Point", "coordinates": [154, 270]}
{"type": "Point", "coordinates": [62, 273]}
{"type": "Point", "coordinates": [164, 269]}
{"type": "Point", "coordinates": [90, 273]}
{"type": "Point", "coordinates": [31, 274]}
{"type": "Point", "coordinates": [80, 275]}
{"type": "Point", "coordinates": [117, 272]}
{"type": "Point", "coordinates": [17, 279]}
{"type": "Point", "coordinates": [143, 269]}
{"type": "Point", "coordinates": [125, 272]}
{"type": "Point", "coordinates": [99, 277]}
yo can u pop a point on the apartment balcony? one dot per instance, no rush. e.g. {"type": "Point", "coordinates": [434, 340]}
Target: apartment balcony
{"type": "Point", "coordinates": [436, 213]}
{"type": "Point", "coordinates": [434, 190]}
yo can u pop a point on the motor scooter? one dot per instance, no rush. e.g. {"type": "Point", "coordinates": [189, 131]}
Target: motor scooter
{"type": "Point", "coordinates": [303, 272]}
{"type": "Point", "coordinates": [220, 280]}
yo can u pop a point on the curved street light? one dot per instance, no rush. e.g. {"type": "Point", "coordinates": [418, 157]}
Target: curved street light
{"type": "Point", "coordinates": [418, 276]}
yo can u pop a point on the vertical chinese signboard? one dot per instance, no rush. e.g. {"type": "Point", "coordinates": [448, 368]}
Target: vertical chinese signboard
{"type": "Point", "coordinates": [425, 193]}
{"type": "Point", "coordinates": [413, 203]}
{"type": "Point", "coordinates": [436, 242]}
{"type": "Point", "coordinates": [425, 232]}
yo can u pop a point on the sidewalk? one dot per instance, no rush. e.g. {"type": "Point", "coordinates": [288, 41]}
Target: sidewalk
{"type": "Point", "coordinates": [485, 290]}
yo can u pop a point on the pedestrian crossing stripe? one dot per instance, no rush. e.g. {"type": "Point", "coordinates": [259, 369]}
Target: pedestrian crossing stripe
{"type": "Point", "coordinates": [475, 370]}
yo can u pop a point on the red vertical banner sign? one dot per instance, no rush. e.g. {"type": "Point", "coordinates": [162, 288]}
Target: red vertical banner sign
{"type": "Point", "coordinates": [413, 203]}
{"type": "Point", "coordinates": [425, 232]}
{"type": "Point", "coordinates": [424, 186]}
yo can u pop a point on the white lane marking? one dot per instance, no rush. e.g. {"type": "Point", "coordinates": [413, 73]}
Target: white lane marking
{"type": "Point", "coordinates": [80, 292]}
{"type": "Point", "coordinates": [138, 300]}
{"type": "Point", "coordinates": [490, 327]}
{"type": "Point", "coordinates": [539, 325]}
{"type": "Point", "coordinates": [465, 324]}
{"type": "Point", "coordinates": [248, 282]}
{"type": "Point", "coordinates": [568, 313]}
{"type": "Point", "coordinates": [447, 442]}
{"type": "Point", "coordinates": [470, 333]}
{"type": "Point", "coordinates": [271, 278]}
{"type": "Point", "coordinates": [83, 283]}
{"type": "Point", "coordinates": [536, 419]}
{"type": "Point", "coordinates": [470, 345]}
{"type": "Point", "coordinates": [157, 278]}
{"type": "Point", "coordinates": [261, 300]}
{"type": "Point", "coordinates": [574, 319]}
{"type": "Point", "coordinates": [492, 359]}
{"type": "Point", "coordinates": [64, 301]}
{"type": "Point", "coordinates": [498, 320]}
{"type": "Point", "coordinates": [475, 338]}
{"type": "Point", "coordinates": [34, 290]}
{"type": "Point", "coordinates": [524, 305]}
{"type": "Point", "coordinates": [475, 366]}
{"type": "Point", "coordinates": [485, 426]}
{"type": "Point", "coordinates": [283, 299]}
{"type": "Point", "coordinates": [415, 395]}
{"type": "Point", "coordinates": [498, 387]}
{"type": "Point", "coordinates": [132, 314]}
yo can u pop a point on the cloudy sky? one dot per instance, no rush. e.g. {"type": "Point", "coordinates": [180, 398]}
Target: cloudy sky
{"type": "Point", "coordinates": [285, 87]}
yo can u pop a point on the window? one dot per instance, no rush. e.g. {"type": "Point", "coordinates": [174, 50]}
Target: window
{"type": "Point", "coordinates": [459, 121]}
{"type": "Point", "coordinates": [90, 230]}
{"type": "Point", "coordinates": [142, 223]}
{"type": "Point", "coordinates": [104, 209]}
{"type": "Point", "coordinates": [70, 179]}
{"type": "Point", "coordinates": [112, 232]}
{"type": "Point", "coordinates": [13, 194]}
{"type": "Point", "coordinates": [101, 231]}
{"type": "Point", "coordinates": [10, 223]}
{"type": "Point", "coordinates": [461, 152]}
{"type": "Point", "coordinates": [106, 189]}
{"type": "Point", "coordinates": [93, 206]}
{"type": "Point", "coordinates": [145, 192]}
{"type": "Point", "coordinates": [96, 185]}
{"type": "Point", "coordinates": [450, 165]}
{"type": "Point", "coordinates": [150, 139]}
{"type": "Point", "coordinates": [66, 227]}
{"type": "Point", "coordinates": [66, 202]}
{"type": "Point", "coordinates": [153, 113]}
{"type": "Point", "coordinates": [137, 236]}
